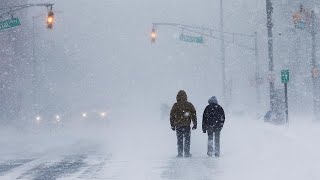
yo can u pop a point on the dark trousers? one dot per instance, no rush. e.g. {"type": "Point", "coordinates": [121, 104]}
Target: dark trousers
{"type": "Point", "coordinates": [183, 133]}
{"type": "Point", "coordinates": [216, 142]}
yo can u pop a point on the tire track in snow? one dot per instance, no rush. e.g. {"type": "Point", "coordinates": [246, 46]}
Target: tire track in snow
{"type": "Point", "coordinates": [52, 171]}
{"type": "Point", "coordinates": [12, 164]}
{"type": "Point", "coordinates": [95, 166]}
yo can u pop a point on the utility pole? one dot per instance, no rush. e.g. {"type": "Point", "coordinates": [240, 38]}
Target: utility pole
{"type": "Point", "coordinates": [257, 74]}
{"type": "Point", "coordinates": [269, 9]}
{"type": "Point", "coordinates": [223, 57]}
{"type": "Point", "coordinates": [315, 70]}
{"type": "Point", "coordinates": [34, 61]}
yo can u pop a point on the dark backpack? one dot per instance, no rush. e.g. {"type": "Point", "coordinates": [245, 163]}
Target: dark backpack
{"type": "Point", "coordinates": [214, 116]}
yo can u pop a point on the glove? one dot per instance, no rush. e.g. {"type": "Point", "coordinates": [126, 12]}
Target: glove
{"type": "Point", "coordinates": [204, 131]}
{"type": "Point", "coordinates": [194, 127]}
{"type": "Point", "coordinates": [173, 128]}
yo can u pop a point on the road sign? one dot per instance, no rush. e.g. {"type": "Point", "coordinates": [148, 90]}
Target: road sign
{"type": "Point", "coordinates": [10, 23]}
{"type": "Point", "coordinates": [285, 79]}
{"type": "Point", "coordinates": [285, 76]}
{"type": "Point", "coordinates": [193, 39]}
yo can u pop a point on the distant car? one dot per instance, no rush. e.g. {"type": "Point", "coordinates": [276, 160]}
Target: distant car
{"type": "Point", "coordinates": [94, 114]}
{"type": "Point", "coordinates": [53, 118]}
{"type": "Point", "coordinates": [94, 117]}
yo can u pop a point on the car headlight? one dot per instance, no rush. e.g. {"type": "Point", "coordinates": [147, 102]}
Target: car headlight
{"type": "Point", "coordinates": [58, 118]}
{"type": "Point", "coordinates": [38, 119]}
{"type": "Point", "coordinates": [103, 114]}
{"type": "Point", "coordinates": [84, 115]}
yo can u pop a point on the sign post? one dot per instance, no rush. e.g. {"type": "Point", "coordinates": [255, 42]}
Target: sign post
{"type": "Point", "coordinates": [285, 80]}
{"type": "Point", "coordinates": [10, 23]}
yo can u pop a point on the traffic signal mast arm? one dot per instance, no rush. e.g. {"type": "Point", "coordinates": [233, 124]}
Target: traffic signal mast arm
{"type": "Point", "coordinates": [202, 31]}
{"type": "Point", "coordinates": [10, 10]}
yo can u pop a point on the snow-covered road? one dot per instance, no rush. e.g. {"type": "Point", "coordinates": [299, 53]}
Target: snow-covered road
{"type": "Point", "coordinates": [250, 150]}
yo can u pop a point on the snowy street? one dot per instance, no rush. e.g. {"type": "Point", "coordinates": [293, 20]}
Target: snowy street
{"type": "Point", "coordinates": [250, 150]}
{"type": "Point", "coordinates": [159, 90]}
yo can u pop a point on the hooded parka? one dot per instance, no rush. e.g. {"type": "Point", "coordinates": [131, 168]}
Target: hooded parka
{"type": "Point", "coordinates": [182, 112]}
{"type": "Point", "coordinates": [213, 116]}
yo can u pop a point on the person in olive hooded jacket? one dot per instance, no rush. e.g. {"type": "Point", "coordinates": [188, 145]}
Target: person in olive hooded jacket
{"type": "Point", "coordinates": [181, 115]}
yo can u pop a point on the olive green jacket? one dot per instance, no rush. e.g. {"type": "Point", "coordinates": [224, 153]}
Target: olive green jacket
{"type": "Point", "coordinates": [182, 112]}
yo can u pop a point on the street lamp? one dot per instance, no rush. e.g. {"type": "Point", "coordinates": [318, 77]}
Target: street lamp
{"type": "Point", "coordinates": [50, 22]}
{"type": "Point", "coordinates": [34, 58]}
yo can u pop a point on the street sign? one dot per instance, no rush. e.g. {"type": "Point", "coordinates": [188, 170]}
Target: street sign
{"type": "Point", "coordinates": [193, 39]}
{"type": "Point", "coordinates": [285, 76]}
{"type": "Point", "coordinates": [10, 23]}
{"type": "Point", "coordinates": [285, 79]}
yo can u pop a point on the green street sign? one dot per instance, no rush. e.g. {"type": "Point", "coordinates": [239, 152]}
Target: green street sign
{"type": "Point", "coordinates": [10, 23]}
{"type": "Point", "coordinates": [192, 39]}
{"type": "Point", "coordinates": [301, 25]}
{"type": "Point", "coordinates": [285, 76]}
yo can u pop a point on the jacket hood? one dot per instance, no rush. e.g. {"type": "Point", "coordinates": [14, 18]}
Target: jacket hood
{"type": "Point", "coordinates": [213, 100]}
{"type": "Point", "coordinates": [182, 96]}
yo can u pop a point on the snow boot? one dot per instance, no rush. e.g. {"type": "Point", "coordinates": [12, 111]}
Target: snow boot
{"type": "Point", "coordinates": [187, 155]}
{"type": "Point", "coordinates": [179, 156]}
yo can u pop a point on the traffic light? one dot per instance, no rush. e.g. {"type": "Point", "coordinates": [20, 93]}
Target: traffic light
{"type": "Point", "coordinates": [297, 17]}
{"type": "Point", "coordinates": [50, 20]}
{"type": "Point", "coordinates": [153, 35]}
